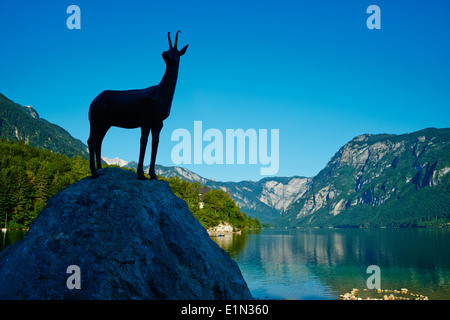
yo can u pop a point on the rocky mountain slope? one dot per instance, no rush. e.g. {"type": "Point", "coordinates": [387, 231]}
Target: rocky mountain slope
{"type": "Point", "coordinates": [23, 123]}
{"type": "Point", "coordinates": [267, 198]}
{"type": "Point", "coordinates": [128, 239]}
{"type": "Point", "coordinates": [380, 180]}
{"type": "Point", "coordinates": [116, 161]}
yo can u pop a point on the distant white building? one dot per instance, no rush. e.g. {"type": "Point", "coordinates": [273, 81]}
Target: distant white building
{"type": "Point", "coordinates": [201, 193]}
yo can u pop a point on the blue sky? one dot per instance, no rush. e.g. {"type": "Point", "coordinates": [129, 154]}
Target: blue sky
{"type": "Point", "coordinates": [311, 69]}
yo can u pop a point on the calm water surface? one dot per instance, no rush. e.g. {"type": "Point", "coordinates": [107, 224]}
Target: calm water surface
{"type": "Point", "coordinates": [324, 263]}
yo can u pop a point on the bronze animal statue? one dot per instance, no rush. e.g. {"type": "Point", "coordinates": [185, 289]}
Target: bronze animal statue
{"type": "Point", "coordinates": [145, 109]}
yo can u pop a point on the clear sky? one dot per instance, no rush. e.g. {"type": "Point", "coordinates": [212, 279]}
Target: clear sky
{"type": "Point", "coordinates": [311, 69]}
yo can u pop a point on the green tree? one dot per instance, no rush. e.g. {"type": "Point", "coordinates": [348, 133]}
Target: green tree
{"type": "Point", "coordinates": [29, 177]}
{"type": "Point", "coordinates": [218, 206]}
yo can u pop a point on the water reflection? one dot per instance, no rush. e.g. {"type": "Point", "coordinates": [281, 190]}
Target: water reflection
{"type": "Point", "coordinates": [234, 243]}
{"type": "Point", "coordinates": [323, 263]}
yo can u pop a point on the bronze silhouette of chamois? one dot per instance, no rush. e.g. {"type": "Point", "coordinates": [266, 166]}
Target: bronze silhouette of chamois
{"type": "Point", "coordinates": [145, 109]}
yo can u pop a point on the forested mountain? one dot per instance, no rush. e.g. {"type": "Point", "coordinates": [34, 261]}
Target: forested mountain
{"type": "Point", "coordinates": [23, 123]}
{"type": "Point", "coordinates": [380, 181]}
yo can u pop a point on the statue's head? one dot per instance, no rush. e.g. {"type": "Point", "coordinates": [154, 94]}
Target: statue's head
{"type": "Point", "coordinates": [172, 56]}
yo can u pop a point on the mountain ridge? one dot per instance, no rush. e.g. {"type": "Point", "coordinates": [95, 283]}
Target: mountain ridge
{"type": "Point", "coordinates": [378, 180]}
{"type": "Point", "coordinates": [19, 122]}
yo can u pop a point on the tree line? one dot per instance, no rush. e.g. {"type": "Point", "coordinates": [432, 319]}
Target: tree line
{"type": "Point", "coordinates": [29, 177]}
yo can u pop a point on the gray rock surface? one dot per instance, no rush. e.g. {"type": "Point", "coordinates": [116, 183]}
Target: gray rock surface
{"type": "Point", "coordinates": [131, 239]}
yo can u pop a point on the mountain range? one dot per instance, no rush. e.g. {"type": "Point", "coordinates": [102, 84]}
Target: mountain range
{"type": "Point", "coordinates": [379, 180]}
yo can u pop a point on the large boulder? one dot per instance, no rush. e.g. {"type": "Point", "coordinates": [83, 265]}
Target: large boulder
{"type": "Point", "coordinates": [125, 239]}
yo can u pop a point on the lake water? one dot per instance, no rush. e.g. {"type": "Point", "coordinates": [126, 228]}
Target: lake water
{"type": "Point", "coordinates": [324, 263]}
{"type": "Point", "coordinates": [10, 236]}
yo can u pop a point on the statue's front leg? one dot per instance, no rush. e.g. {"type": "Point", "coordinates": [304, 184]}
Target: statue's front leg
{"type": "Point", "coordinates": [152, 171]}
{"type": "Point", "coordinates": [144, 139]}
{"type": "Point", "coordinates": [156, 129]}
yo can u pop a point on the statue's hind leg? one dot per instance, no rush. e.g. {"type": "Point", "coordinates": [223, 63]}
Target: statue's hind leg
{"type": "Point", "coordinates": [98, 146]}
{"type": "Point", "coordinates": [144, 138]}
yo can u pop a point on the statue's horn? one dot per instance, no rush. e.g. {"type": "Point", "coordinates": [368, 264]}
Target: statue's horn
{"type": "Point", "coordinates": [176, 38]}
{"type": "Point", "coordinates": [170, 41]}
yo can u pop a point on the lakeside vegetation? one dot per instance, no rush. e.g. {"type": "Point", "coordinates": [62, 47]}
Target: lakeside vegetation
{"type": "Point", "coordinates": [30, 176]}
{"type": "Point", "coordinates": [218, 206]}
